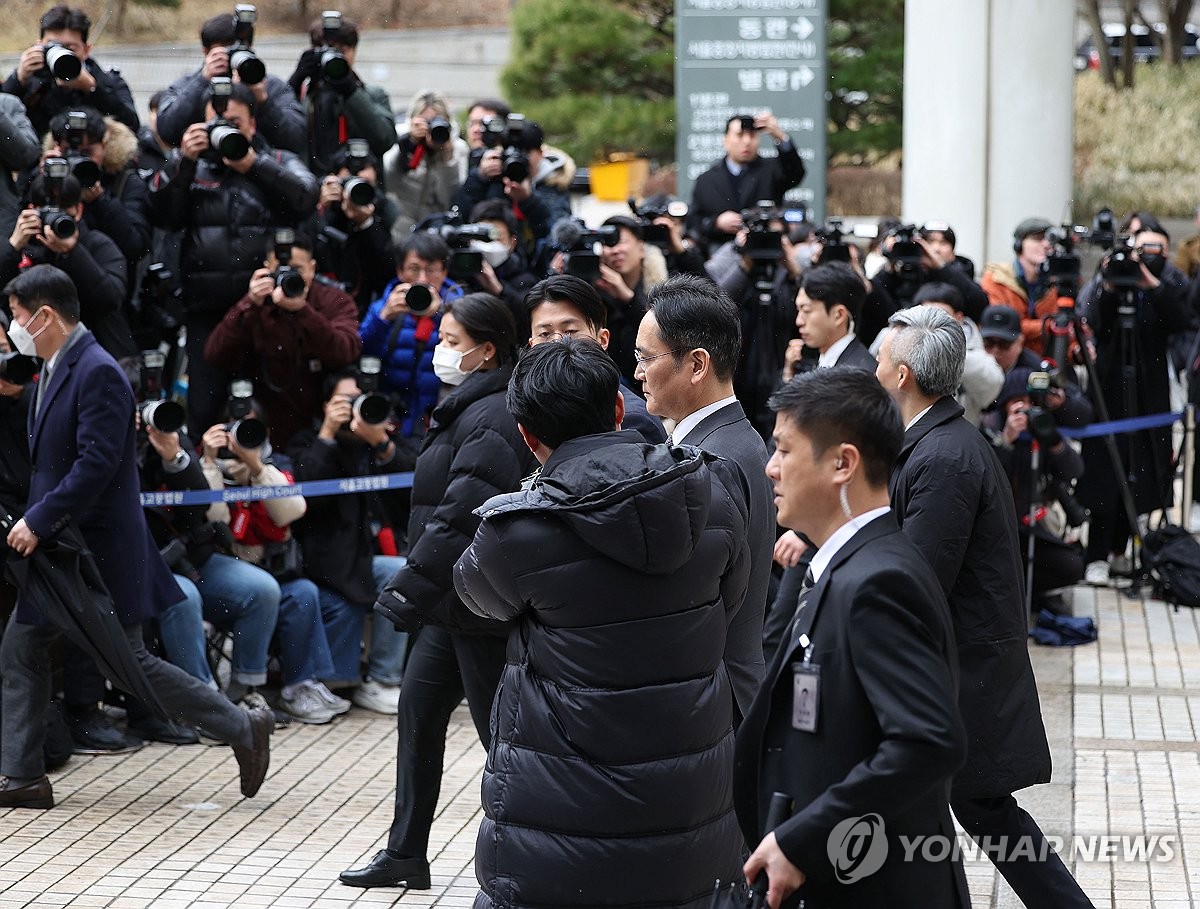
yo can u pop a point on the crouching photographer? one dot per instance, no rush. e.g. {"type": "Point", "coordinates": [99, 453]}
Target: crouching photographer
{"type": "Point", "coordinates": [1023, 416]}
{"type": "Point", "coordinates": [237, 454]}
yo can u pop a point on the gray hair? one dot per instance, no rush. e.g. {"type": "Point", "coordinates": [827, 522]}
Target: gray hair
{"type": "Point", "coordinates": [933, 345]}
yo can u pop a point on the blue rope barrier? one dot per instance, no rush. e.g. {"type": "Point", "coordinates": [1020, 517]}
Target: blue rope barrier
{"type": "Point", "coordinates": [1117, 427]}
{"type": "Point", "coordinates": [309, 489]}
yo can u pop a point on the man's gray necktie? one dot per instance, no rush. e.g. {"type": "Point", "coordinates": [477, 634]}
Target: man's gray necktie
{"type": "Point", "coordinates": [42, 383]}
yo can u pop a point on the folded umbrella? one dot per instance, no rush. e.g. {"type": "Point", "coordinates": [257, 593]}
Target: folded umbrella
{"type": "Point", "coordinates": [61, 581]}
{"type": "Point", "coordinates": [739, 894]}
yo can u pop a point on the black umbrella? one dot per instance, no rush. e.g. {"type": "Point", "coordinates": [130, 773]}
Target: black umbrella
{"type": "Point", "coordinates": [61, 581]}
{"type": "Point", "coordinates": [739, 895]}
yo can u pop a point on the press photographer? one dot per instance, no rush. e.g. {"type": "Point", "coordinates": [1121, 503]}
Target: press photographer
{"type": "Point", "coordinates": [226, 40]}
{"type": "Point", "coordinates": [1023, 415]}
{"type": "Point", "coordinates": [49, 231]}
{"type": "Point", "coordinates": [59, 73]}
{"type": "Point", "coordinates": [427, 166]}
{"type": "Point", "coordinates": [916, 256]}
{"type": "Point", "coordinates": [19, 151]}
{"type": "Point", "coordinates": [286, 334]}
{"type": "Point", "coordinates": [336, 102]}
{"type": "Point", "coordinates": [352, 225]}
{"type": "Point", "coordinates": [226, 208]}
{"type": "Point", "coordinates": [662, 218]}
{"type": "Point", "coordinates": [1132, 305]}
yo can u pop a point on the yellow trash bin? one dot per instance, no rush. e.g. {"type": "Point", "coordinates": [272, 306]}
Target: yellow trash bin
{"type": "Point", "coordinates": [619, 178]}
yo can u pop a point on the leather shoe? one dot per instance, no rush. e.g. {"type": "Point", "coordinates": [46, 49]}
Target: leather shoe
{"type": "Point", "coordinates": [156, 729]}
{"type": "Point", "coordinates": [254, 761]}
{"type": "Point", "coordinates": [385, 871]}
{"type": "Point", "coordinates": [38, 794]}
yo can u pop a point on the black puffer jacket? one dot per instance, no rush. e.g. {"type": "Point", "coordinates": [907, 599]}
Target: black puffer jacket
{"type": "Point", "coordinates": [227, 220]}
{"type": "Point", "coordinates": [471, 453]}
{"type": "Point", "coordinates": [608, 777]}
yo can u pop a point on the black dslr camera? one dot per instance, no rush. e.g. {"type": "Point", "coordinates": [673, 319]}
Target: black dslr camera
{"type": "Point", "coordinates": [834, 247]}
{"type": "Point", "coordinates": [332, 62]}
{"type": "Point", "coordinates": [658, 234]}
{"type": "Point", "coordinates": [905, 251]}
{"type": "Point", "coordinates": [509, 133]}
{"type": "Point", "coordinates": [370, 406]}
{"type": "Point", "coordinates": [83, 168]}
{"type": "Point", "coordinates": [287, 279]}
{"type": "Point", "coordinates": [56, 170]}
{"type": "Point", "coordinates": [580, 246]}
{"type": "Point", "coordinates": [159, 303]}
{"type": "Point", "coordinates": [247, 431]}
{"type": "Point", "coordinates": [763, 245]}
{"type": "Point", "coordinates": [224, 139]}
{"type": "Point", "coordinates": [466, 262]}
{"type": "Point", "coordinates": [242, 60]}
{"type": "Point", "coordinates": [61, 63]}
{"type": "Point", "coordinates": [163, 415]}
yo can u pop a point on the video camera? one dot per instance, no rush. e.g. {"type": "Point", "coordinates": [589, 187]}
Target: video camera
{"type": "Point", "coordinates": [905, 251]}
{"type": "Point", "coordinates": [56, 170]}
{"type": "Point", "coordinates": [287, 279]}
{"type": "Point", "coordinates": [834, 247]}
{"type": "Point", "coordinates": [658, 234]}
{"type": "Point", "coordinates": [465, 260]}
{"type": "Point", "coordinates": [332, 62]}
{"type": "Point", "coordinates": [163, 415]}
{"type": "Point", "coordinates": [580, 246]}
{"type": "Point", "coordinates": [224, 139]}
{"type": "Point", "coordinates": [61, 63]}
{"type": "Point", "coordinates": [511, 134]}
{"type": "Point", "coordinates": [242, 59]}
{"type": "Point", "coordinates": [247, 431]}
{"type": "Point", "coordinates": [83, 168]}
{"type": "Point", "coordinates": [763, 245]}
{"type": "Point", "coordinates": [370, 406]}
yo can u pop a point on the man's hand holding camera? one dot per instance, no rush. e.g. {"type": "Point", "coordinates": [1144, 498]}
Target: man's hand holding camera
{"type": "Point", "coordinates": [397, 306]}
{"type": "Point", "coordinates": [218, 437]}
{"type": "Point", "coordinates": [33, 61]}
{"type": "Point", "coordinates": [29, 228]}
{"type": "Point", "coordinates": [332, 195]}
{"type": "Point", "coordinates": [165, 443]}
{"type": "Point", "coordinates": [491, 164]}
{"type": "Point", "coordinates": [613, 284]}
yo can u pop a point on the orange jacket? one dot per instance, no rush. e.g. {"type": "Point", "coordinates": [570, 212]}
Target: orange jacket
{"type": "Point", "coordinates": [1003, 289]}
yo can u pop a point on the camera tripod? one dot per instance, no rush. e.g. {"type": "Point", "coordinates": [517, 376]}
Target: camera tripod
{"type": "Point", "coordinates": [1067, 325]}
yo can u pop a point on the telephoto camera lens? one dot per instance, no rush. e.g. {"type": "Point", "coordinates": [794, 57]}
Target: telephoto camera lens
{"type": "Point", "coordinates": [418, 298]}
{"type": "Point", "coordinates": [85, 170]}
{"type": "Point", "coordinates": [516, 165]}
{"type": "Point", "coordinates": [358, 191]}
{"type": "Point", "coordinates": [372, 408]}
{"type": "Point", "coordinates": [60, 223]}
{"type": "Point", "coordinates": [439, 131]}
{"type": "Point", "coordinates": [290, 281]}
{"type": "Point", "coordinates": [249, 68]}
{"type": "Point", "coordinates": [249, 432]}
{"type": "Point", "coordinates": [334, 64]}
{"type": "Point", "coordinates": [165, 416]}
{"type": "Point", "coordinates": [228, 142]}
{"type": "Point", "coordinates": [63, 64]}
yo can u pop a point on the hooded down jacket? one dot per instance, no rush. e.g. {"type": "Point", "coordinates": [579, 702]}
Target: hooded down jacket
{"type": "Point", "coordinates": [608, 778]}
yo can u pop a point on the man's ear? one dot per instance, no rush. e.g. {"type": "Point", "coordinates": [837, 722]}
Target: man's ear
{"type": "Point", "coordinates": [530, 439]}
{"type": "Point", "coordinates": [619, 408]}
{"type": "Point", "coordinates": [699, 362]}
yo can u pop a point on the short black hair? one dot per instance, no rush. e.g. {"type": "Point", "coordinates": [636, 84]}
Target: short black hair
{"type": "Point", "coordinates": [564, 390]}
{"type": "Point", "coordinates": [495, 210]}
{"type": "Point", "coordinates": [631, 224]}
{"type": "Point", "coordinates": [500, 107]}
{"type": "Point", "coordinates": [68, 193]}
{"type": "Point", "coordinates": [486, 318]}
{"type": "Point", "coordinates": [63, 18]}
{"type": "Point", "coordinates": [832, 283]}
{"type": "Point", "coordinates": [218, 30]}
{"type": "Point", "coordinates": [572, 291]}
{"type": "Point", "coordinates": [347, 35]}
{"type": "Point", "coordinates": [939, 292]}
{"type": "Point", "coordinates": [845, 404]}
{"type": "Point", "coordinates": [156, 99]}
{"type": "Point", "coordinates": [426, 244]}
{"type": "Point", "coordinates": [45, 285]}
{"type": "Point", "coordinates": [96, 129]}
{"type": "Point", "coordinates": [341, 158]}
{"type": "Point", "coordinates": [694, 312]}
{"type": "Point", "coordinates": [330, 383]}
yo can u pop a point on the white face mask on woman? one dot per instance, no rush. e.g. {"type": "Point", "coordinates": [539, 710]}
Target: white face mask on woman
{"type": "Point", "coordinates": [447, 364]}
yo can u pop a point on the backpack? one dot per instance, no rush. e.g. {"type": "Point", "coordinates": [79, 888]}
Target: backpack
{"type": "Point", "coordinates": [1173, 555]}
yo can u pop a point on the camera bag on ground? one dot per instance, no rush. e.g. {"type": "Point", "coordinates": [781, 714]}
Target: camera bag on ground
{"type": "Point", "coordinates": [1173, 556]}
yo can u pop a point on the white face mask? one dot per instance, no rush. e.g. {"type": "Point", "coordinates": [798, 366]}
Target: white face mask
{"type": "Point", "coordinates": [447, 364]}
{"type": "Point", "coordinates": [495, 251]}
{"type": "Point", "coordinates": [22, 340]}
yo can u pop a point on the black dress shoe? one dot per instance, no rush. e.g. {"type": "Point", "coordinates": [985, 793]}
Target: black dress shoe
{"type": "Point", "coordinates": [254, 761]}
{"type": "Point", "coordinates": [37, 794]}
{"type": "Point", "coordinates": [94, 733]}
{"type": "Point", "coordinates": [385, 871]}
{"type": "Point", "coordinates": [154, 729]}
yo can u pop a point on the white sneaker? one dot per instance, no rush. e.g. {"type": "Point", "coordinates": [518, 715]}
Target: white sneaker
{"type": "Point", "coordinates": [1096, 574]}
{"type": "Point", "coordinates": [329, 699]}
{"type": "Point", "coordinates": [306, 705]}
{"type": "Point", "coordinates": [376, 696]}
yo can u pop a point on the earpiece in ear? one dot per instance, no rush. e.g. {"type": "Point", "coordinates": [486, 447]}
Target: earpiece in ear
{"type": "Point", "coordinates": [840, 464]}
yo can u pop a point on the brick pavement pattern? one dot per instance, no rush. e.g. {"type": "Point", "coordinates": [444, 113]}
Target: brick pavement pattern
{"type": "Point", "coordinates": [165, 826]}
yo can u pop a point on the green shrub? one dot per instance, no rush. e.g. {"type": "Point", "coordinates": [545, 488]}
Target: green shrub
{"type": "Point", "coordinates": [1138, 149]}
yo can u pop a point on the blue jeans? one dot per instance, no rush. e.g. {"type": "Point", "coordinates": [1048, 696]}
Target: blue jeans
{"type": "Point", "coordinates": [181, 630]}
{"type": "Point", "coordinates": [344, 624]}
{"type": "Point", "coordinates": [303, 647]}
{"type": "Point", "coordinates": [244, 599]}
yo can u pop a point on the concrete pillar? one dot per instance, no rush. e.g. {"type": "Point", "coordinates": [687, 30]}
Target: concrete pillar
{"type": "Point", "coordinates": [988, 117]}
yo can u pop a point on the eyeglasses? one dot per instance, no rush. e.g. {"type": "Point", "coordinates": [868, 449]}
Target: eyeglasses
{"type": "Point", "coordinates": [543, 336]}
{"type": "Point", "coordinates": [639, 360]}
{"type": "Point", "coordinates": [430, 268]}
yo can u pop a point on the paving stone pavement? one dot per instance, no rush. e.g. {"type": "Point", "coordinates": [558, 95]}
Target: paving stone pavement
{"type": "Point", "coordinates": [165, 826]}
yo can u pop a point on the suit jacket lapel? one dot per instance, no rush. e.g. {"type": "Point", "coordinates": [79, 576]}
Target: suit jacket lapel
{"type": "Point", "coordinates": [726, 416]}
{"type": "Point", "coordinates": [58, 378]}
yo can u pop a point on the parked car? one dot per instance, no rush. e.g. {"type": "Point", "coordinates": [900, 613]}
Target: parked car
{"type": "Point", "coordinates": [1145, 45]}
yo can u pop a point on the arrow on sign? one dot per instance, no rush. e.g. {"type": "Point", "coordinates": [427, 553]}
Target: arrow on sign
{"type": "Point", "coordinates": [803, 76]}
{"type": "Point", "coordinates": [803, 28]}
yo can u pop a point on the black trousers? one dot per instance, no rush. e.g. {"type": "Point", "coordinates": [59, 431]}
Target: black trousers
{"type": "Point", "coordinates": [441, 668]}
{"type": "Point", "coordinates": [1039, 884]}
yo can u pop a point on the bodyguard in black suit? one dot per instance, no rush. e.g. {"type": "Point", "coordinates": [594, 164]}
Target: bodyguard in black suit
{"type": "Point", "coordinates": [857, 720]}
{"type": "Point", "coordinates": [953, 501]}
{"type": "Point", "coordinates": [687, 348]}
{"type": "Point", "coordinates": [828, 307]}
{"type": "Point", "coordinates": [742, 178]}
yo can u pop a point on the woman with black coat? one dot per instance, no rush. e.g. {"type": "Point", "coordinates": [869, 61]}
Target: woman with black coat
{"type": "Point", "coordinates": [471, 452]}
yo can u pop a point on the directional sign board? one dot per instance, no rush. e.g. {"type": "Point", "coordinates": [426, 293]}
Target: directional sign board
{"type": "Point", "coordinates": [743, 56]}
